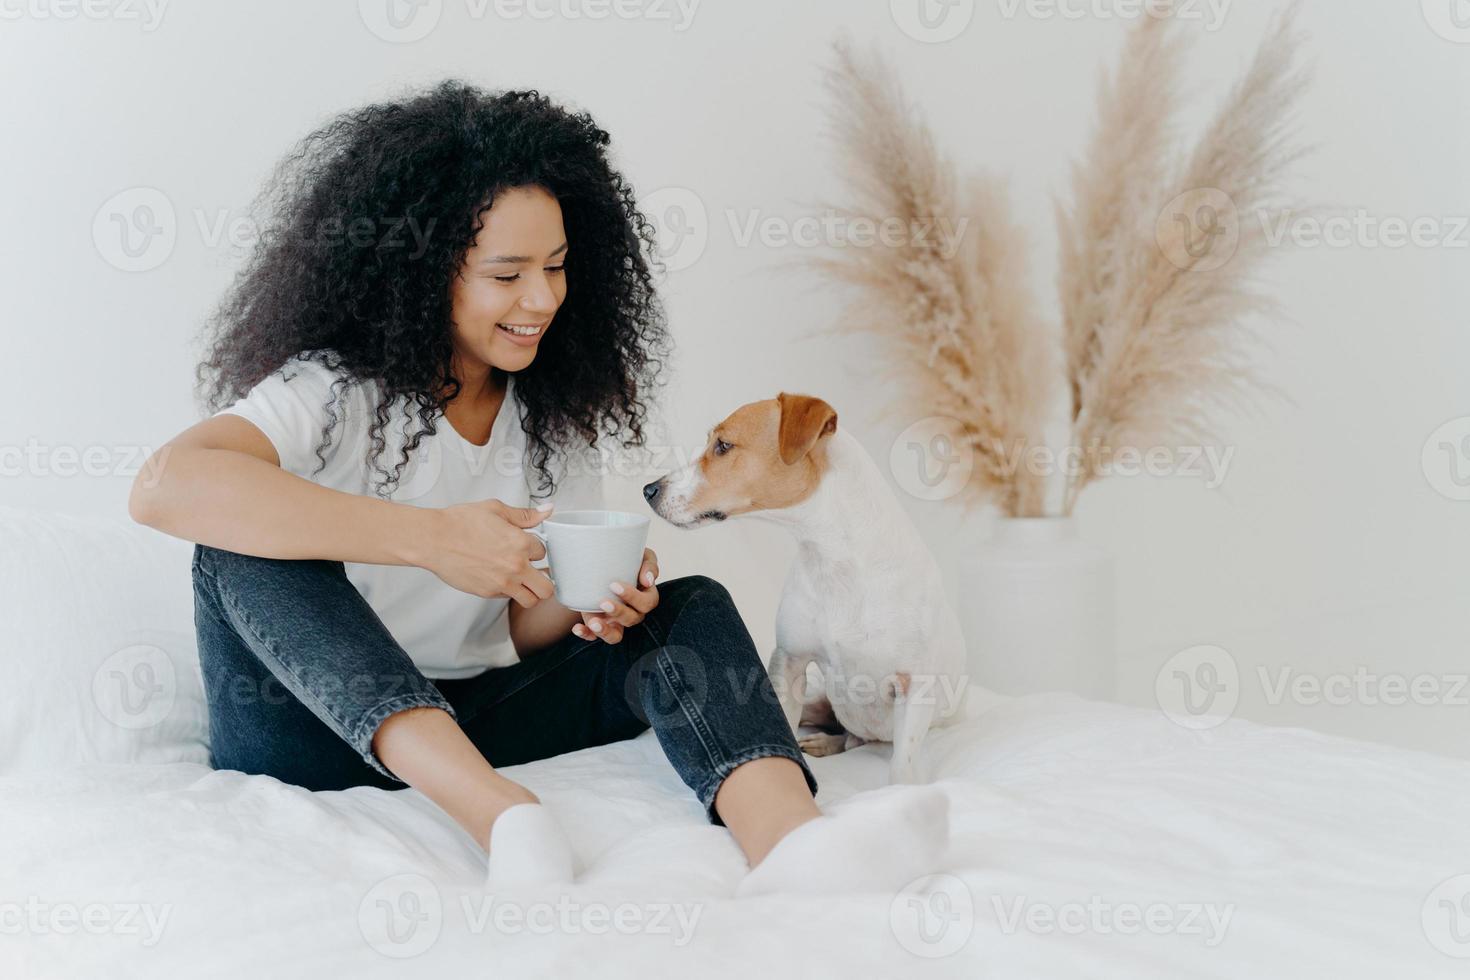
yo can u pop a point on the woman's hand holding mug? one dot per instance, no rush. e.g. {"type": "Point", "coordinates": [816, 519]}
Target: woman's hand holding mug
{"type": "Point", "coordinates": [482, 548]}
{"type": "Point", "coordinates": [633, 602]}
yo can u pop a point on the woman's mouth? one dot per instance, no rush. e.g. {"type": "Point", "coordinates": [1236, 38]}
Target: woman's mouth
{"type": "Point", "coordinates": [523, 334]}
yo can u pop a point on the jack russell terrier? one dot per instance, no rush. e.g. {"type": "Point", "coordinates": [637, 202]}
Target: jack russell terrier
{"type": "Point", "coordinates": [864, 600]}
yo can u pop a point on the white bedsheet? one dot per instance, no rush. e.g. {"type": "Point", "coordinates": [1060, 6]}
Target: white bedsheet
{"type": "Point", "coordinates": [1253, 852]}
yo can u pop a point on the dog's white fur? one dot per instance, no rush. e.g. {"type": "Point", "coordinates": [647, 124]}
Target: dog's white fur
{"type": "Point", "coordinates": [864, 602]}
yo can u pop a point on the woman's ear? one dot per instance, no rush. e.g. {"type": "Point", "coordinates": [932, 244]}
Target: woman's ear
{"type": "Point", "coordinates": [804, 420]}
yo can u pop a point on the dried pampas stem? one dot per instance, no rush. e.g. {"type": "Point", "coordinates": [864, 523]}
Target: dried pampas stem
{"type": "Point", "coordinates": [1156, 285]}
{"type": "Point", "coordinates": [949, 292]}
{"type": "Point", "coordinates": [1155, 276]}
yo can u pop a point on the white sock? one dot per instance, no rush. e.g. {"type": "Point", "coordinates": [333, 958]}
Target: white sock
{"type": "Point", "coordinates": [879, 841]}
{"type": "Point", "coordinates": [528, 850]}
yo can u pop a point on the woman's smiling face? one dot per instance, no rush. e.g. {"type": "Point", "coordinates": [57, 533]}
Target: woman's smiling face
{"type": "Point", "coordinates": [512, 281]}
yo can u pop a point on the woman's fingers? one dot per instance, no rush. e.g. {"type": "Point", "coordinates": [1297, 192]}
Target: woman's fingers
{"type": "Point", "coordinates": [620, 612]}
{"type": "Point", "coordinates": [640, 600]}
{"type": "Point", "coordinates": [539, 583]}
{"type": "Point", "coordinates": [595, 627]}
{"type": "Point", "coordinates": [648, 572]}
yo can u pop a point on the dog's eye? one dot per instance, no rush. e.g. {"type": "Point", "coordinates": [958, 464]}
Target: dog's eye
{"type": "Point", "coordinates": [722, 447]}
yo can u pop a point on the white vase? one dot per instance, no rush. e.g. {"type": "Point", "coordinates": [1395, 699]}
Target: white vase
{"type": "Point", "coordinates": [1037, 606]}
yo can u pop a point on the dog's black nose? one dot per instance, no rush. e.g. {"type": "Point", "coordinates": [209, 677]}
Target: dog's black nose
{"type": "Point", "coordinates": [650, 490]}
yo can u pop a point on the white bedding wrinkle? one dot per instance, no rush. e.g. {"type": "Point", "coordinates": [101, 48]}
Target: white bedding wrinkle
{"type": "Point", "coordinates": [1087, 840]}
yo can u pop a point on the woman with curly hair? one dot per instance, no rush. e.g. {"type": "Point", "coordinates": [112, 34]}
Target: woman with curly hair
{"type": "Point", "coordinates": [448, 303]}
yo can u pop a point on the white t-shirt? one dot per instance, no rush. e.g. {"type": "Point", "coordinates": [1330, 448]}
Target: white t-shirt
{"type": "Point", "coordinates": [448, 633]}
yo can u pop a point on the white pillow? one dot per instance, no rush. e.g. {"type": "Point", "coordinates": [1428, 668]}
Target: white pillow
{"type": "Point", "coordinates": [97, 644]}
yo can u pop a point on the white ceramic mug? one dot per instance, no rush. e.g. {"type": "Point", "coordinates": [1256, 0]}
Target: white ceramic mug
{"type": "Point", "coordinates": [588, 550]}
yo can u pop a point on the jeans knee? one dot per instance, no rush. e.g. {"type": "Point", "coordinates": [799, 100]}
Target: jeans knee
{"type": "Point", "coordinates": [703, 624]}
{"type": "Point", "coordinates": [217, 562]}
{"type": "Point", "coordinates": [680, 592]}
{"type": "Point", "coordinates": [227, 567]}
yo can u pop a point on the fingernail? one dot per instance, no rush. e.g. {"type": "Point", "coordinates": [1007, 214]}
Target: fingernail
{"type": "Point", "coordinates": [596, 626]}
{"type": "Point", "coordinates": [648, 578]}
{"type": "Point", "coordinates": [607, 607]}
{"type": "Point", "coordinates": [617, 588]}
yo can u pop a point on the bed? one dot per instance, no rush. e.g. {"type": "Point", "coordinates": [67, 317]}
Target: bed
{"type": "Point", "coordinates": [1089, 839]}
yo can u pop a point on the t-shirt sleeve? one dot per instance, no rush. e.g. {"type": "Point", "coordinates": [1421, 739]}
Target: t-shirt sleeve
{"type": "Point", "coordinates": [292, 407]}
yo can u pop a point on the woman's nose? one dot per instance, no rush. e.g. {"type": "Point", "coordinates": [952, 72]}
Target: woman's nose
{"type": "Point", "coordinates": [539, 298]}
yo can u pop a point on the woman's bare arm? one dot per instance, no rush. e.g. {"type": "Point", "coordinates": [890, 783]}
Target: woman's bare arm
{"type": "Point", "coordinates": [220, 483]}
{"type": "Point", "coordinates": [533, 630]}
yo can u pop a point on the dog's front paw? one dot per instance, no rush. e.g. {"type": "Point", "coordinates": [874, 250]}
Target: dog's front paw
{"type": "Point", "coordinates": [823, 743]}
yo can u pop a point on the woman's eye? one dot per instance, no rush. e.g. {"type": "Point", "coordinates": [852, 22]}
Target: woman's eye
{"type": "Point", "coordinates": [553, 269]}
{"type": "Point", "coordinates": [722, 447]}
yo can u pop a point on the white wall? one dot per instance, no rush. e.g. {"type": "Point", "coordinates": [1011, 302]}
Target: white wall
{"type": "Point", "coordinates": [1327, 548]}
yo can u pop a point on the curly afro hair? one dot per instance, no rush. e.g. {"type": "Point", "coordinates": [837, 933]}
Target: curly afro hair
{"type": "Point", "coordinates": [365, 224]}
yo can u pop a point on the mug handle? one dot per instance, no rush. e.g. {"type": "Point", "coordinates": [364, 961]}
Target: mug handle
{"type": "Point", "coordinates": [542, 563]}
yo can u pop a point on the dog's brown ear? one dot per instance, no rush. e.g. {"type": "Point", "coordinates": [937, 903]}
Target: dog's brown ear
{"type": "Point", "coordinates": [804, 420]}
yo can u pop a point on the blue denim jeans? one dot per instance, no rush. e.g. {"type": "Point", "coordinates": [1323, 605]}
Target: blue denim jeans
{"type": "Point", "coordinates": [299, 672]}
